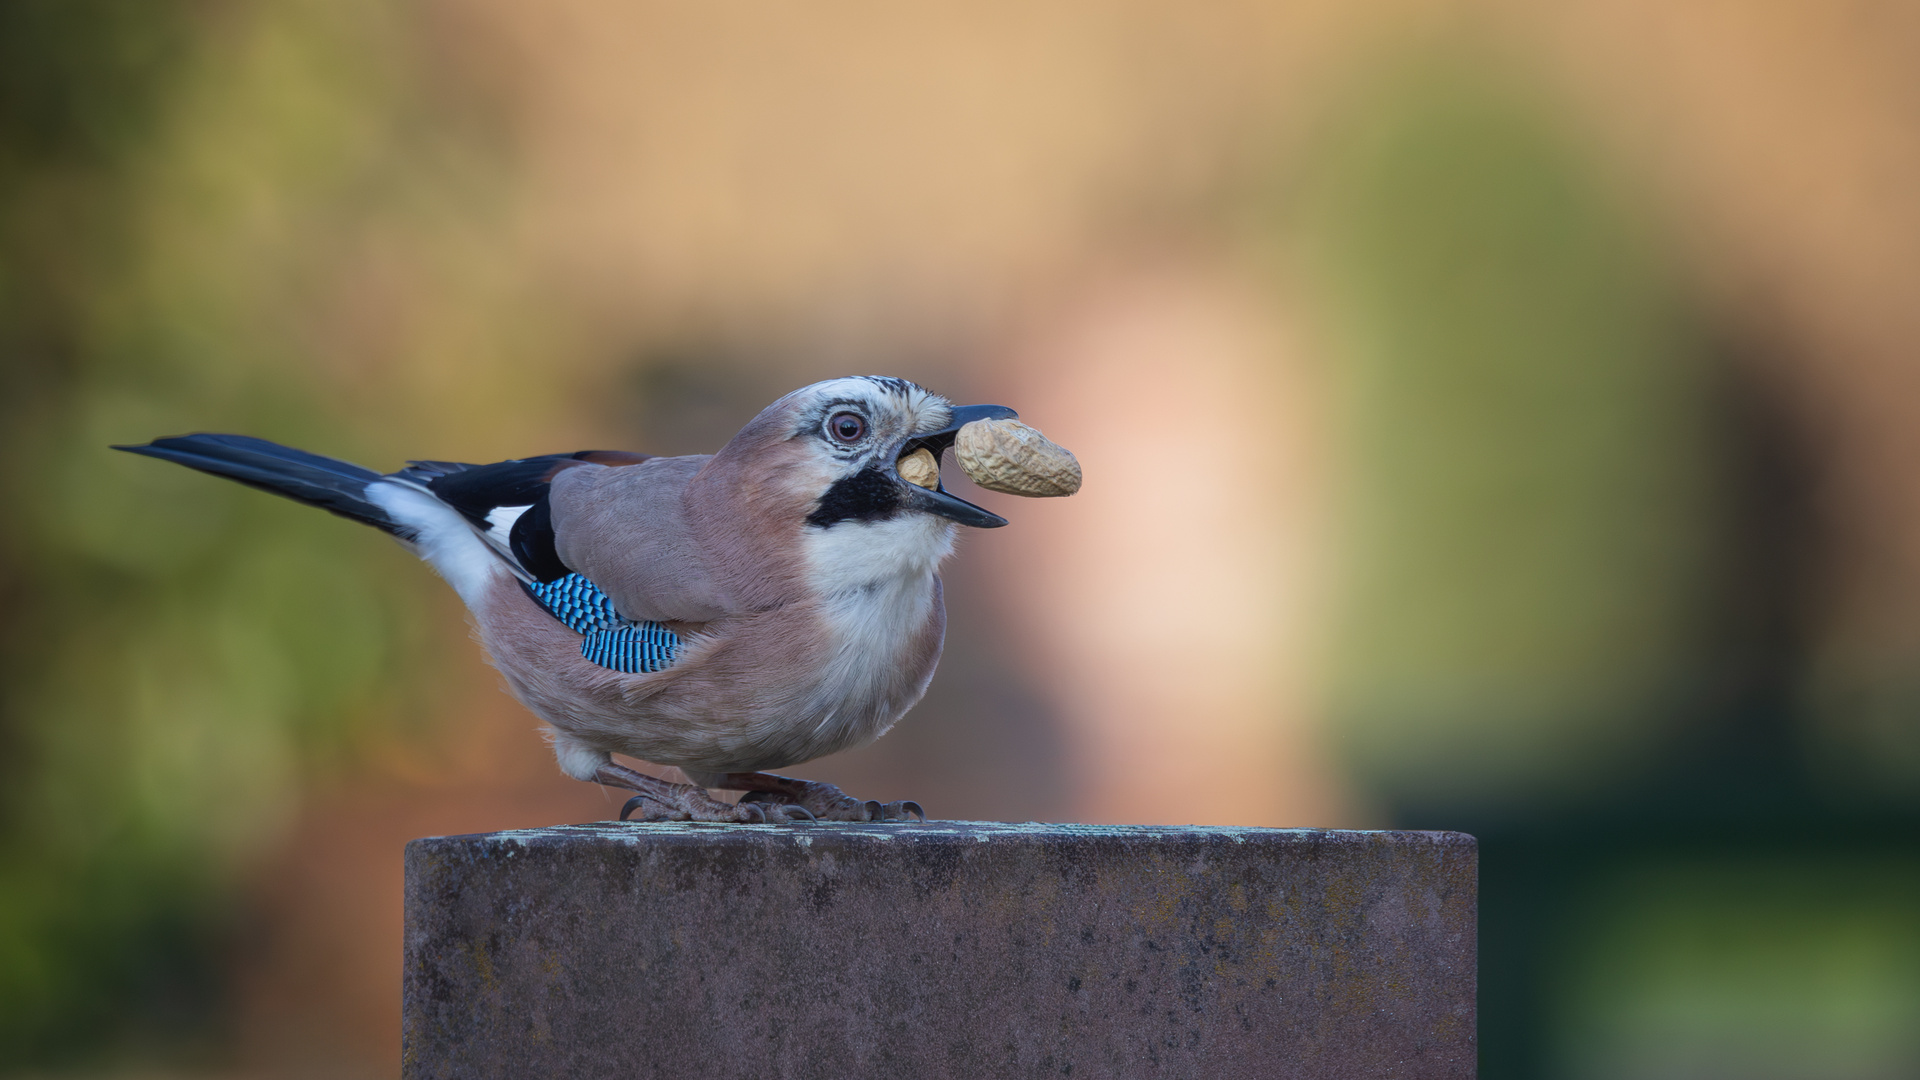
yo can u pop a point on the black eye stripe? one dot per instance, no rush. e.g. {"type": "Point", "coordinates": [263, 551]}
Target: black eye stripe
{"type": "Point", "coordinates": [868, 495]}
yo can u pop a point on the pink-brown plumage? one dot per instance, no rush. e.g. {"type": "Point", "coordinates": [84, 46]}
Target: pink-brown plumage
{"type": "Point", "coordinates": [800, 571]}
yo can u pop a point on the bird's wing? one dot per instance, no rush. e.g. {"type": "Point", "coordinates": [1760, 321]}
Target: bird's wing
{"type": "Point", "coordinates": [506, 502]}
{"type": "Point", "coordinates": [625, 529]}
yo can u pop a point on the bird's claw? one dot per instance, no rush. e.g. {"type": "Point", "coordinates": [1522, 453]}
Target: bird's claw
{"type": "Point", "coordinates": [638, 802]}
{"type": "Point", "coordinates": [773, 806]}
{"type": "Point", "coordinates": [765, 812]}
{"type": "Point", "coordinates": [898, 810]}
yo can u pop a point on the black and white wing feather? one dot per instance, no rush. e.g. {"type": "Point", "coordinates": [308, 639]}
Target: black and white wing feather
{"type": "Point", "coordinates": [506, 503]}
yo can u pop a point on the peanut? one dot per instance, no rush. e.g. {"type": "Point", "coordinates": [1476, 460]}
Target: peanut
{"type": "Point", "coordinates": [1009, 456]}
{"type": "Point", "coordinates": [920, 468]}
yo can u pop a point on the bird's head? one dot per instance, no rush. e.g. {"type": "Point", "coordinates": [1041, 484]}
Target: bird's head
{"type": "Point", "coordinates": [833, 453]}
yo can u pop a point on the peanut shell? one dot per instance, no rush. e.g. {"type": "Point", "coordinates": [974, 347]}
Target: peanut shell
{"type": "Point", "coordinates": [1009, 456]}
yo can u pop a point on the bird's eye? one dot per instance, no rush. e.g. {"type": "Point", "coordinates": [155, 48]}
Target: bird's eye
{"type": "Point", "coordinates": [847, 427]}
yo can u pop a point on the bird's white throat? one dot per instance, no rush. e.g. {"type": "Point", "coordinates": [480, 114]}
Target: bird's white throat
{"type": "Point", "coordinates": [875, 579]}
{"type": "Point", "coordinates": [863, 557]}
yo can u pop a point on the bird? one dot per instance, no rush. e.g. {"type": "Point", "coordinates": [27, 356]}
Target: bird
{"type": "Point", "coordinates": [728, 614]}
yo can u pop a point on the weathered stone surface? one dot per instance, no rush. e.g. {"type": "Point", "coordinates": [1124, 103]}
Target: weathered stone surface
{"type": "Point", "coordinates": [945, 949]}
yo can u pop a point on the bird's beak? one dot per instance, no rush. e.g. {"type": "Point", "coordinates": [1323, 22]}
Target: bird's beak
{"type": "Point", "coordinates": [963, 415]}
{"type": "Point", "coordinates": [944, 505]}
{"type": "Point", "coordinates": [935, 500]}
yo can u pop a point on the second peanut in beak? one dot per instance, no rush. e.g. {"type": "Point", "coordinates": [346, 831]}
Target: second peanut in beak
{"type": "Point", "coordinates": [920, 468]}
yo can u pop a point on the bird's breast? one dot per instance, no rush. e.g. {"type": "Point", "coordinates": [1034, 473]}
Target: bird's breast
{"type": "Point", "coordinates": [877, 594]}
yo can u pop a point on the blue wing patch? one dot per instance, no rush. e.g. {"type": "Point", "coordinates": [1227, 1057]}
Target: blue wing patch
{"type": "Point", "coordinates": [635, 648]}
{"type": "Point", "coordinates": [577, 602]}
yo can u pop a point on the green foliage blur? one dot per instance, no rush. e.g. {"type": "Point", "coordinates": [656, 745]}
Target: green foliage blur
{"type": "Point", "coordinates": [1577, 617]}
{"type": "Point", "coordinates": [179, 655]}
{"type": "Point", "coordinates": [1745, 965]}
{"type": "Point", "coordinates": [1526, 413]}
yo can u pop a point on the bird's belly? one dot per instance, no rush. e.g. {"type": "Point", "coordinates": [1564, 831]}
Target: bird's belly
{"type": "Point", "coordinates": [763, 691]}
{"type": "Point", "coordinates": [874, 650]}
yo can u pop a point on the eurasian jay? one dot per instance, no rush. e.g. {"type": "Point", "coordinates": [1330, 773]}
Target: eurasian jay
{"type": "Point", "coordinates": [725, 613]}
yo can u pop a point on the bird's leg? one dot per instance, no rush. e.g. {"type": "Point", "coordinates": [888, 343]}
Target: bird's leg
{"type": "Point", "coordinates": [823, 801]}
{"type": "Point", "coordinates": [661, 800]}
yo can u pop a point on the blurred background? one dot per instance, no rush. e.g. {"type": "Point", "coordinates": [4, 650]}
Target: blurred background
{"type": "Point", "coordinates": [1497, 416]}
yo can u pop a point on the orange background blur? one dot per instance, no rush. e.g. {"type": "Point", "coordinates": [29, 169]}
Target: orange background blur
{"type": "Point", "coordinates": [1495, 416]}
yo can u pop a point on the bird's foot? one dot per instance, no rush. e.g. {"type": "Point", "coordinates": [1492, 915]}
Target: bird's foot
{"type": "Point", "coordinates": [824, 801]}
{"type": "Point", "coordinates": [662, 800]}
{"type": "Point", "coordinates": [697, 805]}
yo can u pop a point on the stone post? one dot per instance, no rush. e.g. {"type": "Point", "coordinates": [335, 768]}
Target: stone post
{"type": "Point", "coordinates": [946, 949]}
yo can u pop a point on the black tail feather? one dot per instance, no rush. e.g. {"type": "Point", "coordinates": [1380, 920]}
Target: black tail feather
{"type": "Point", "coordinates": [328, 483]}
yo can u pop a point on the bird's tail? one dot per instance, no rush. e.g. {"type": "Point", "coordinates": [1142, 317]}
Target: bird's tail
{"type": "Point", "coordinates": [340, 487]}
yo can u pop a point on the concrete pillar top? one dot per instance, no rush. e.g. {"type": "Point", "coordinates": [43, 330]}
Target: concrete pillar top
{"type": "Point", "coordinates": [962, 949]}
